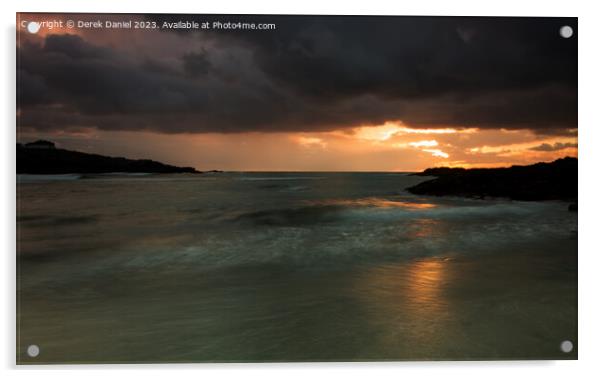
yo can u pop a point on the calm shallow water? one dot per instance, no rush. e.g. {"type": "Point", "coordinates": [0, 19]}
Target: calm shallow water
{"type": "Point", "coordinates": [288, 267]}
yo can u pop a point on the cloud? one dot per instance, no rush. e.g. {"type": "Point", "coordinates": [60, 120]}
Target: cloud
{"type": "Point", "coordinates": [437, 153]}
{"type": "Point", "coordinates": [546, 147]}
{"type": "Point", "coordinates": [196, 63]}
{"type": "Point", "coordinates": [311, 142]}
{"type": "Point", "coordinates": [311, 74]}
{"type": "Point", "coordinates": [424, 143]}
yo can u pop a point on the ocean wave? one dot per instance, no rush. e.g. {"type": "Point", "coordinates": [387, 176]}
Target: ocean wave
{"type": "Point", "coordinates": [382, 209]}
{"type": "Point", "coordinates": [299, 216]}
{"type": "Point", "coordinates": [280, 178]}
{"type": "Point", "coordinates": [30, 178]}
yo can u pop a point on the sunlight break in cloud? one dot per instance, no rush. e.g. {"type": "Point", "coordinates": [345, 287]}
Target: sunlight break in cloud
{"type": "Point", "coordinates": [311, 142]}
{"type": "Point", "coordinates": [424, 143]}
{"type": "Point", "coordinates": [381, 133]}
{"type": "Point", "coordinates": [438, 131]}
{"type": "Point", "coordinates": [378, 133]}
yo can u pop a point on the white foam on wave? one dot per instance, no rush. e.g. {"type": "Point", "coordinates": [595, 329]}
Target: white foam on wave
{"type": "Point", "coordinates": [443, 211]}
{"type": "Point", "coordinates": [29, 178]}
{"type": "Point", "coordinates": [279, 178]}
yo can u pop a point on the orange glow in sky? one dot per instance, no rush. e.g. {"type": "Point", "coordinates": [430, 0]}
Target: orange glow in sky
{"type": "Point", "coordinates": [377, 148]}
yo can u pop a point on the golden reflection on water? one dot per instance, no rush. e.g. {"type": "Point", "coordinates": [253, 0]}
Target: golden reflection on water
{"type": "Point", "coordinates": [375, 202]}
{"type": "Point", "coordinates": [407, 300]}
{"type": "Point", "coordinates": [423, 228]}
{"type": "Point", "coordinates": [416, 286]}
{"type": "Point", "coordinates": [425, 284]}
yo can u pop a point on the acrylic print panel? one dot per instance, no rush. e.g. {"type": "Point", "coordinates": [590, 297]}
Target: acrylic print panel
{"type": "Point", "coordinates": [216, 188]}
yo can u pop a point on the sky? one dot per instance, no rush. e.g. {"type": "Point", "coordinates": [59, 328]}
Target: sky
{"type": "Point", "coordinates": [317, 93]}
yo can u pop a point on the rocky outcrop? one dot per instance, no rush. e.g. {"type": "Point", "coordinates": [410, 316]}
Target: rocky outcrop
{"type": "Point", "coordinates": [59, 161]}
{"type": "Point", "coordinates": [542, 181]}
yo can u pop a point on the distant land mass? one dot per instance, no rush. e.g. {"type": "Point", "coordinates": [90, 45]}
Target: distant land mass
{"type": "Point", "coordinates": [557, 180]}
{"type": "Point", "coordinates": [42, 157]}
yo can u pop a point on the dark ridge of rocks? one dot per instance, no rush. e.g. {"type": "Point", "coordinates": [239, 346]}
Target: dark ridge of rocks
{"type": "Point", "coordinates": [59, 161]}
{"type": "Point", "coordinates": [557, 180]}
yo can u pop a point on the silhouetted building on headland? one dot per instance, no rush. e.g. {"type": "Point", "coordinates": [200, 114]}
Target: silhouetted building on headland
{"type": "Point", "coordinates": [40, 144]}
{"type": "Point", "coordinates": [42, 157]}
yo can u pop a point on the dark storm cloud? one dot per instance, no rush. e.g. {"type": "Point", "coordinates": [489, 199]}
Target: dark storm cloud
{"type": "Point", "coordinates": [196, 63]}
{"type": "Point", "coordinates": [314, 73]}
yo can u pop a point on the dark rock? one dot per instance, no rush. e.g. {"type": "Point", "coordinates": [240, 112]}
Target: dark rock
{"type": "Point", "coordinates": [59, 161]}
{"type": "Point", "coordinates": [542, 181]}
{"type": "Point", "coordinates": [573, 207]}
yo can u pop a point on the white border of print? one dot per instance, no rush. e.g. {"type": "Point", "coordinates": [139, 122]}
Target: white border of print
{"type": "Point", "coordinates": [590, 132]}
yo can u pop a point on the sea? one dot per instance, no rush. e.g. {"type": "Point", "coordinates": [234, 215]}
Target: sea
{"type": "Point", "coordinates": [287, 267]}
